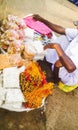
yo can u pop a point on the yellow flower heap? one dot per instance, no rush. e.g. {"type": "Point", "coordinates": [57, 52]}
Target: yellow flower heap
{"type": "Point", "coordinates": [34, 85]}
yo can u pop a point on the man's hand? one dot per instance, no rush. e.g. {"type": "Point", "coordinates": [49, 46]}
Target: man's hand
{"type": "Point", "coordinates": [58, 64]}
{"type": "Point", "coordinates": [64, 59]}
{"type": "Point", "coordinates": [37, 17]}
{"type": "Point", "coordinates": [52, 46]}
{"type": "Point", "coordinates": [54, 27]}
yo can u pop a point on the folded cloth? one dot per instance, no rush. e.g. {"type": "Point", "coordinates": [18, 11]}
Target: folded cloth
{"type": "Point", "coordinates": [37, 25]}
{"type": "Point", "coordinates": [1, 102]}
{"type": "Point", "coordinates": [14, 96]}
{"type": "Point", "coordinates": [67, 88]}
{"type": "Point", "coordinates": [13, 105]}
{"type": "Point", "coordinates": [2, 94]}
{"type": "Point", "coordinates": [11, 77]}
{"type": "Point", "coordinates": [1, 79]}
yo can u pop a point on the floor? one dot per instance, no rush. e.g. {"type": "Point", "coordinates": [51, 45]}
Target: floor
{"type": "Point", "coordinates": [61, 111]}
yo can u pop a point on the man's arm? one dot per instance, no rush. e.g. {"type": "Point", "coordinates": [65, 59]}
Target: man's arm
{"type": "Point", "coordinates": [54, 27]}
{"type": "Point", "coordinates": [64, 60]}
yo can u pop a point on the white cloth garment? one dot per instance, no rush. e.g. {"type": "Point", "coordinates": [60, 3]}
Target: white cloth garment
{"type": "Point", "coordinates": [69, 44]}
{"type": "Point", "coordinates": [14, 96]}
{"type": "Point", "coordinates": [11, 77]}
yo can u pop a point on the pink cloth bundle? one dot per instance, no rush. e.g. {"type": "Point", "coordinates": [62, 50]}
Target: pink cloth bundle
{"type": "Point", "coordinates": [37, 25]}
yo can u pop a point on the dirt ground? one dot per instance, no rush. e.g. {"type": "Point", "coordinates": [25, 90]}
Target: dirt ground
{"type": "Point", "coordinates": [61, 111]}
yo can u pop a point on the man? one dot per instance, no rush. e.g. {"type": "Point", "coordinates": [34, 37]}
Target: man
{"type": "Point", "coordinates": [66, 53]}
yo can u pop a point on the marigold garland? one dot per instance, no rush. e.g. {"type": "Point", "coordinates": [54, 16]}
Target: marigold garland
{"type": "Point", "coordinates": [34, 85]}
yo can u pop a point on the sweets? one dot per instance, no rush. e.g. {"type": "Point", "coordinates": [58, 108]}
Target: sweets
{"type": "Point", "coordinates": [10, 60]}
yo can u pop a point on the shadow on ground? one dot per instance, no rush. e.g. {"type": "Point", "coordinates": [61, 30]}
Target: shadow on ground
{"type": "Point", "coordinates": [34, 120]}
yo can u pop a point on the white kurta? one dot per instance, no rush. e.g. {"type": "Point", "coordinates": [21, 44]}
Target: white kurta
{"type": "Point", "coordinates": [69, 43]}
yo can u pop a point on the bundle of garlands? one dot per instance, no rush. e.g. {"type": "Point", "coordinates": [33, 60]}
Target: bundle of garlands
{"type": "Point", "coordinates": [34, 86]}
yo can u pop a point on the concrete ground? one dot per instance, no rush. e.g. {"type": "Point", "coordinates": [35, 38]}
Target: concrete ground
{"type": "Point", "coordinates": [62, 108]}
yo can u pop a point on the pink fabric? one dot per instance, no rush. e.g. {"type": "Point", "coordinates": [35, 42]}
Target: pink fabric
{"type": "Point", "coordinates": [37, 25]}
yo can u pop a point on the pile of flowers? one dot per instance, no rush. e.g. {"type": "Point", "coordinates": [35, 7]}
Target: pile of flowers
{"type": "Point", "coordinates": [34, 85]}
